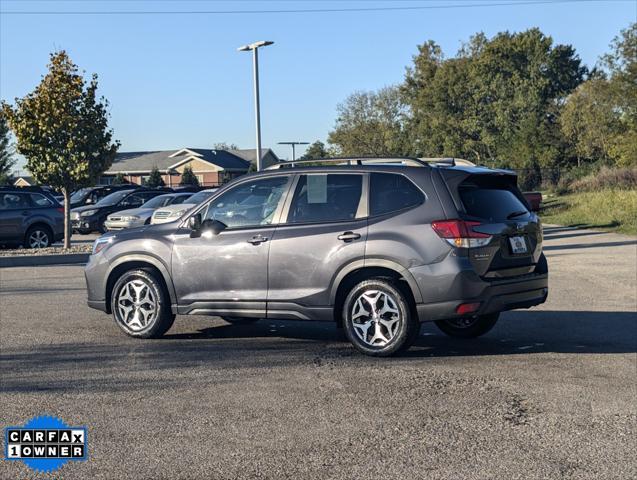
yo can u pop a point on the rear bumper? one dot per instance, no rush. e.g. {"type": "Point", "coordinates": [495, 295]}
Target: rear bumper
{"type": "Point", "coordinates": [446, 285]}
{"type": "Point", "coordinates": [496, 298]}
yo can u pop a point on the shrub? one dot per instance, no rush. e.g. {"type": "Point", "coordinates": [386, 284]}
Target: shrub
{"type": "Point", "coordinates": [616, 178]}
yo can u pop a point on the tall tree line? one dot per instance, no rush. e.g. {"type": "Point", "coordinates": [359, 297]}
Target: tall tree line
{"type": "Point", "coordinates": [516, 100]}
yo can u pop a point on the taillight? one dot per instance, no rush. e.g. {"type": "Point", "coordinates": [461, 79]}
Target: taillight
{"type": "Point", "coordinates": [60, 209]}
{"type": "Point", "coordinates": [466, 308]}
{"type": "Point", "coordinates": [460, 233]}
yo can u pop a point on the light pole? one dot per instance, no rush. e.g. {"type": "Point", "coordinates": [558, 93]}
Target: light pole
{"type": "Point", "coordinates": [294, 144]}
{"type": "Point", "coordinates": [255, 67]}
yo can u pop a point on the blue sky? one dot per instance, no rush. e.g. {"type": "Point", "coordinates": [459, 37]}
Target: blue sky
{"type": "Point", "coordinates": [177, 80]}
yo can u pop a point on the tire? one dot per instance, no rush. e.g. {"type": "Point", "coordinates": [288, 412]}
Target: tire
{"type": "Point", "coordinates": [38, 236]}
{"type": "Point", "coordinates": [140, 304]}
{"type": "Point", "coordinates": [83, 231]}
{"type": "Point", "coordinates": [240, 320]}
{"type": "Point", "coordinates": [468, 327]}
{"type": "Point", "coordinates": [373, 332]}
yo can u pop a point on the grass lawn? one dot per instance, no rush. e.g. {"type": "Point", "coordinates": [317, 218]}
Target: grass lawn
{"type": "Point", "coordinates": [610, 209]}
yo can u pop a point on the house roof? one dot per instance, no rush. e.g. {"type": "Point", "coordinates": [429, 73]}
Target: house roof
{"type": "Point", "coordinates": [141, 162]}
{"type": "Point", "coordinates": [22, 179]}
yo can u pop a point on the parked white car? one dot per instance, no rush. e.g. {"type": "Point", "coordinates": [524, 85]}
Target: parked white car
{"type": "Point", "coordinates": [136, 217]}
{"type": "Point", "coordinates": [171, 213]}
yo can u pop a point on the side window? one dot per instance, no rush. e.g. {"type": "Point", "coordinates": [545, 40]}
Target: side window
{"type": "Point", "coordinates": [133, 200]}
{"type": "Point", "coordinates": [326, 198]}
{"type": "Point", "coordinates": [40, 200]}
{"type": "Point", "coordinates": [177, 200]}
{"type": "Point", "coordinates": [250, 204]}
{"type": "Point", "coordinates": [390, 192]}
{"type": "Point", "coordinates": [12, 201]}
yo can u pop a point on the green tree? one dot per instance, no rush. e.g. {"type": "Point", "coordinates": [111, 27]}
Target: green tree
{"type": "Point", "coordinates": [600, 118]}
{"type": "Point", "coordinates": [621, 64]}
{"type": "Point", "coordinates": [155, 179]}
{"type": "Point", "coordinates": [189, 178]}
{"type": "Point", "coordinates": [62, 130]}
{"type": "Point", "coordinates": [315, 150]}
{"type": "Point", "coordinates": [589, 122]}
{"type": "Point", "coordinates": [120, 179]}
{"type": "Point", "coordinates": [370, 123]}
{"type": "Point", "coordinates": [6, 152]}
{"type": "Point", "coordinates": [496, 103]}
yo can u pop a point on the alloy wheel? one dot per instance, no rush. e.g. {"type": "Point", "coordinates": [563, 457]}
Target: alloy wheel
{"type": "Point", "coordinates": [376, 318]}
{"type": "Point", "coordinates": [38, 239]}
{"type": "Point", "coordinates": [136, 304]}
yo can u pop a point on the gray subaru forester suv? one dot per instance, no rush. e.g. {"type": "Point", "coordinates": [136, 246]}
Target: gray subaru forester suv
{"type": "Point", "coordinates": [376, 245]}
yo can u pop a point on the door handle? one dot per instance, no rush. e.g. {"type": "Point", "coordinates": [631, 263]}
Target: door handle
{"type": "Point", "coordinates": [349, 236]}
{"type": "Point", "coordinates": [258, 239]}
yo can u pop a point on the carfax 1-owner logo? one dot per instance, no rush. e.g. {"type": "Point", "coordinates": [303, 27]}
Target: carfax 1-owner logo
{"type": "Point", "coordinates": [45, 443]}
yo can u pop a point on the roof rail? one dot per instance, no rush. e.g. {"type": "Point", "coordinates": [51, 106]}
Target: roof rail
{"type": "Point", "coordinates": [406, 161]}
{"type": "Point", "coordinates": [26, 188]}
{"type": "Point", "coordinates": [449, 161]}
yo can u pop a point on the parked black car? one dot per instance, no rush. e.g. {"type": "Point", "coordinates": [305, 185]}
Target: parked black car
{"type": "Point", "coordinates": [91, 218]}
{"type": "Point", "coordinates": [92, 195]}
{"type": "Point", "coordinates": [29, 216]}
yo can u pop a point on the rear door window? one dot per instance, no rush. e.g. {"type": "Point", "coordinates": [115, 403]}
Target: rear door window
{"type": "Point", "coordinates": [492, 202]}
{"type": "Point", "coordinates": [390, 192]}
{"type": "Point", "coordinates": [326, 198]}
{"type": "Point", "coordinates": [40, 200]}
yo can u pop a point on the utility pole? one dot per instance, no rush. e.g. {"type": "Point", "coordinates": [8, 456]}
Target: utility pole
{"type": "Point", "coordinates": [294, 144]}
{"type": "Point", "coordinates": [257, 109]}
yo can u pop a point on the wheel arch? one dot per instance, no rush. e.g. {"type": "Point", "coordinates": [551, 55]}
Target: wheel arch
{"type": "Point", "coordinates": [359, 271]}
{"type": "Point", "coordinates": [127, 263]}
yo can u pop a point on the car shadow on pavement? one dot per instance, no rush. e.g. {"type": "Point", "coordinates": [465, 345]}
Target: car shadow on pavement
{"type": "Point", "coordinates": [571, 234]}
{"type": "Point", "coordinates": [570, 246]}
{"type": "Point", "coordinates": [123, 364]}
{"type": "Point", "coordinates": [517, 332]}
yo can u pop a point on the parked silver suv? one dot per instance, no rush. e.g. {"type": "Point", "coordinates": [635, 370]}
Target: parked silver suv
{"type": "Point", "coordinates": [376, 245]}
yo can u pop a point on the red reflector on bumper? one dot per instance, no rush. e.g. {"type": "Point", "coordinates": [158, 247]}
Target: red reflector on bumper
{"type": "Point", "coordinates": [465, 308]}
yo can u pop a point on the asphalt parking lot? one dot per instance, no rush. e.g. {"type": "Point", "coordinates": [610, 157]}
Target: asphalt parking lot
{"type": "Point", "coordinates": [548, 393]}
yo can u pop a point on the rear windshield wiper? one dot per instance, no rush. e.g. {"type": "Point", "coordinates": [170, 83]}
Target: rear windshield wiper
{"type": "Point", "coordinates": [516, 214]}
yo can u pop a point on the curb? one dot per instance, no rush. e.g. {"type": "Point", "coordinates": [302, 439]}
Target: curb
{"type": "Point", "coordinates": [39, 260]}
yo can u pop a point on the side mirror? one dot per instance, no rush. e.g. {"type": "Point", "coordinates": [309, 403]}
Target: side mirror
{"type": "Point", "coordinates": [194, 223]}
{"type": "Point", "coordinates": [212, 227]}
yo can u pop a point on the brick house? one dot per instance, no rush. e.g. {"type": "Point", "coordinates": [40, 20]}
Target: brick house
{"type": "Point", "coordinates": [212, 167]}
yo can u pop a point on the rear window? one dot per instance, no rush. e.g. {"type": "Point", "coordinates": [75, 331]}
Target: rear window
{"type": "Point", "coordinates": [492, 203]}
{"type": "Point", "coordinates": [326, 198]}
{"type": "Point", "coordinates": [391, 192]}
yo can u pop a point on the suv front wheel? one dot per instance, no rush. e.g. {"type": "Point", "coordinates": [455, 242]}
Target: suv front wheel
{"type": "Point", "coordinates": [377, 318]}
{"type": "Point", "coordinates": [140, 305]}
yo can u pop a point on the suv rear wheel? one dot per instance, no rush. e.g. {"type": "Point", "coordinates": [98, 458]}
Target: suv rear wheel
{"type": "Point", "coordinates": [469, 327]}
{"type": "Point", "coordinates": [38, 237]}
{"type": "Point", "coordinates": [378, 319]}
{"type": "Point", "coordinates": [140, 305]}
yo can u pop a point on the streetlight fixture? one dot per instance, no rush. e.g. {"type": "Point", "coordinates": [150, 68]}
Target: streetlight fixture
{"type": "Point", "coordinates": [255, 67]}
{"type": "Point", "coordinates": [294, 144]}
